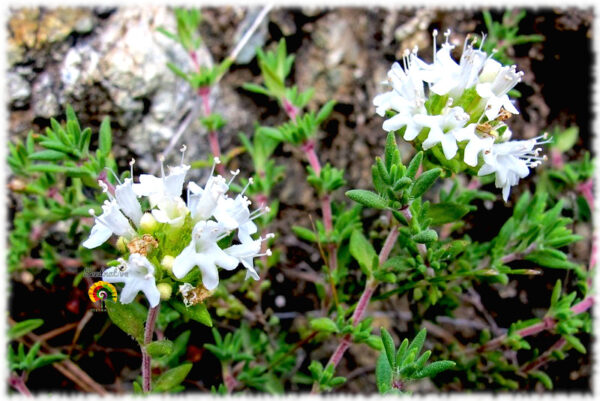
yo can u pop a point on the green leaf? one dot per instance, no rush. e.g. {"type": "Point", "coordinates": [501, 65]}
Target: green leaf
{"type": "Point", "coordinates": [425, 237]}
{"type": "Point", "coordinates": [551, 258]}
{"type": "Point", "coordinates": [324, 112]}
{"type": "Point", "coordinates": [105, 141]}
{"type": "Point", "coordinates": [48, 155]}
{"type": "Point", "coordinates": [172, 377]}
{"type": "Point", "coordinates": [575, 343]}
{"type": "Point", "coordinates": [447, 212]}
{"type": "Point", "coordinates": [47, 360]}
{"type": "Point", "coordinates": [388, 345]}
{"type": "Point", "coordinates": [543, 378]}
{"type": "Point", "coordinates": [159, 348]}
{"type": "Point", "coordinates": [392, 155]}
{"type": "Point", "coordinates": [566, 139]}
{"type": "Point", "coordinates": [424, 182]}
{"type": "Point", "coordinates": [304, 233]}
{"type": "Point", "coordinates": [434, 368]}
{"type": "Point", "coordinates": [127, 318]}
{"type": "Point", "coordinates": [324, 324]}
{"type": "Point", "coordinates": [362, 251]}
{"type": "Point", "coordinates": [414, 164]}
{"type": "Point", "coordinates": [24, 327]}
{"type": "Point", "coordinates": [556, 292]}
{"type": "Point", "coordinates": [367, 198]}
{"type": "Point", "coordinates": [256, 89]}
{"type": "Point", "coordinates": [383, 374]}
{"type": "Point", "coordinates": [200, 314]}
{"type": "Point", "coordinates": [417, 342]}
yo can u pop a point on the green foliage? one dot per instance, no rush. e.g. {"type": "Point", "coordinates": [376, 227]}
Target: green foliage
{"type": "Point", "coordinates": [325, 376]}
{"type": "Point", "coordinates": [32, 360]}
{"type": "Point", "coordinates": [188, 22]}
{"type": "Point", "coordinates": [128, 317]}
{"type": "Point", "coordinates": [21, 328]}
{"type": "Point", "coordinates": [503, 35]}
{"type": "Point", "coordinates": [329, 179]}
{"type": "Point", "coordinates": [275, 67]}
{"type": "Point", "coordinates": [52, 173]}
{"type": "Point", "coordinates": [395, 368]}
{"type": "Point", "coordinates": [303, 128]}
{"type": "Point", "coordinates": [169, 380]}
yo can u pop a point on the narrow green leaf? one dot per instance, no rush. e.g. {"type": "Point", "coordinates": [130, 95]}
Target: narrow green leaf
{"type": "Point", "coordinates": [383, 374]}
{"type": "Point", "coordinates": [390, 348]}
{"type": "Point", "coordinates": [172, 377]}
{"type": "Point", "coordinates": [24, 327]}
{"type": "Point", "coordinates": [105, 141]}
{"type": "Point", "coordinates": [418, 341]}
{"type": "Point", "coordinates": [324, 324]}
{"type": "Point", "coordinates": [367, 198]}
{"type": "Point", "coordinates": [362, 251]}
{"type": "Point", "coordinates": [159, 348]}
{"type": "Point", "coordinates": [447, 212]}
{"type": "Point", "coordinates": [434, 368]}
{"type": "Point", "coordinates": [425, 237]}
{"type": "Point", "coordinates": [424, 182]}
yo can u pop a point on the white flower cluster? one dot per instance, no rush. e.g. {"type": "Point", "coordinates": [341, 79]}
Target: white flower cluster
{"type": "Point", "coordinates": [213, 214]}
{"type": "Point", "coordinates": [460, 106]}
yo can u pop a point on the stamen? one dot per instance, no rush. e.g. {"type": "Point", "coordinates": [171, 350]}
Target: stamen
{"type": "Point", "coordinates": [92, 212]}
{"type": "Point", "coordinates": [114, 175]}
{"type": "Point", "coordinates": [182, 150]}
{"type": "Point", "coordinates": [161, 158]}
{"type": "Point", "coordinates": [434, 34]}
{"type": "Point", "coordinates": [216, 161]}
{"type": "Point", "coordinates": [250, 182]}
{"type": "Point", "coordinates": [131, 163]}
{"type": "Point", "coordinates": [234, 174]}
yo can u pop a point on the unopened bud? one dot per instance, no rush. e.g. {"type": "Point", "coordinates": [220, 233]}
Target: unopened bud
{"type": "Point", "coordinates": [167, 262]}
{"type": "Point", "coordinates": [122, 244]}
{"type": "Point", "coordinates": [148, 223]}
{"type": "Point", "coordinates": [165, 290]}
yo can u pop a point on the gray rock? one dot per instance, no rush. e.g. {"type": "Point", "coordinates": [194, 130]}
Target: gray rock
{"type": "Point", "coordinates": [45, 103]}
{"type": "Point", "coordinates": [19, 90]}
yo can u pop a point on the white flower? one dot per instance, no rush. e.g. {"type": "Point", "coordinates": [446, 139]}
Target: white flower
{"type": "Point", "coordinates": [247, 251]}
{"type": "Point", "coordinates": [442, 129]}
{"type": "Point", "coordinates": [407, 97]}
{"type": "Point", "coordinates": [202, 202]}
{"type": "Point", "coordinates": [171, 211]}
{"type": "Point", "coordinates": [475, 145]}
{"type": "Point", "coordinates": [138, 275]}
{"type": "Point", "coordinates": [511, 161]}
{"type": "Point", "coordinates": [494, 84]}
{"type": "Point", "coordinates": [446, 76]}
{"type": "Point", "coordinates": [111, 221]}
{"type": "Point", "coordinates": [161, 188]}
{"type": "Point", "coordinates": [204, 252]}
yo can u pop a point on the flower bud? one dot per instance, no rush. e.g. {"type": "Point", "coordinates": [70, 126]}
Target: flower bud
{"type": "Point", "coordinates": [165, 290]}
{"type": "Point", "coordinates": [122, 244]}
{"type": "Point", "coordinates": [167, 262]}
{"type": "Point", "coordinates": [148, 223]}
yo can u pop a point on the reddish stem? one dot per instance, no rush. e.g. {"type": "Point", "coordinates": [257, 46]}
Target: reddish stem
{"type": "Point", "coordinates": [146, 359]}
{"type": "Point", "coordinates": [547, 324]}
{"type": "Point", "coordinates": [18, 383]}
{"type": "Point", "coordinates": [309, 149]}
{"type": "Point", "coordinates": [290, 109]}
{"type": "Point", "coordinates": [213, 138]}
{"type": "Point", "coordinates": [362, 304]}
{"type": "Point", "coordinates": [586, 189]}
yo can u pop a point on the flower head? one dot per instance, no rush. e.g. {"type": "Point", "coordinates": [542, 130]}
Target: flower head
{"type": "Point", "coordinates": [137, 273]}
{"type": "Point", "coordinates": [511, 161]}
